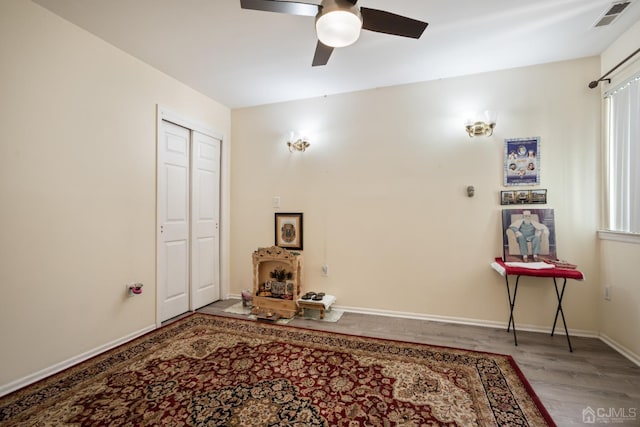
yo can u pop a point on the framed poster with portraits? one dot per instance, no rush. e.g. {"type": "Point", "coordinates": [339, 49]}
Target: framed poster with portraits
{"type": "Point", "coordinates": [288, 230]}
{"type": "Point", "coordinates": [522, 161]}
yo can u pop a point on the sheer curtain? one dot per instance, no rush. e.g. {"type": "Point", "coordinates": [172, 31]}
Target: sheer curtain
{"type": "Point", "coordinates": [623, 155]}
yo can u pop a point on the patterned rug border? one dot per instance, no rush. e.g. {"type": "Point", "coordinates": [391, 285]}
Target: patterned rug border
{"type": "Point", "coordinates": [96, 365]}
{"type": "Point", "coordinates": [534, 396]}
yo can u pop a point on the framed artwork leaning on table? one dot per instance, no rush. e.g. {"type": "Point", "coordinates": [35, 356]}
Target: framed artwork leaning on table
{"type": "Point", "coordinates": [528, 235]}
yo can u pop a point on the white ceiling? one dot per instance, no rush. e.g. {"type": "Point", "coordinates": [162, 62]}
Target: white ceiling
{"type": "Point", "coordinates": [244, 57]}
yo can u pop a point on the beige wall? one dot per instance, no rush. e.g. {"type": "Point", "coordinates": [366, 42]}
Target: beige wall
{"type": "Point", "coordinates": [77, 169]}
{"type": "Point", "coordinates": [382, 189]}
{"type": "Point", "coordinates": [619, 260]}
{"type": "Point", "coordinates": [621, 314]}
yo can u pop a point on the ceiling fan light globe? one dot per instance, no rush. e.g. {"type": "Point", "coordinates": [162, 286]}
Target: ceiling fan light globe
{"type": "Point", "coordinates": [338, 28]}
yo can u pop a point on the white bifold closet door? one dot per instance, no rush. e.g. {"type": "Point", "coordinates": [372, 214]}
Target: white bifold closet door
{"type": "Point", "coordinates": [188, 257]}
{"type": "Point", "coordinates": [205, 220]}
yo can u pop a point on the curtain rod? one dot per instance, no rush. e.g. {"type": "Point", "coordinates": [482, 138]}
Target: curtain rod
{"type": "Point", "coordinates": [595, 83]}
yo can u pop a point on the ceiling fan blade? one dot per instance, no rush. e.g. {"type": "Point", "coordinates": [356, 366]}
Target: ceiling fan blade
{"type": "Point", "coordinates": [323, 52]}
{"type": "Point", "coordinates": [289, 7]}
{"type": "Point", "coordinates": [390, 23]}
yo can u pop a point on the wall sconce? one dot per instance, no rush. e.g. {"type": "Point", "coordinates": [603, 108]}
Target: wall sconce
{"type": "Point", "coordinates": [298, 143]}
{"type": "Point", "coordinates": [481, 124]}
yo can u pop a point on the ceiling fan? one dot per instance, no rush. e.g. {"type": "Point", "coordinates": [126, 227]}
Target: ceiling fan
{"type": "Point", "coordinates": [338, 22]}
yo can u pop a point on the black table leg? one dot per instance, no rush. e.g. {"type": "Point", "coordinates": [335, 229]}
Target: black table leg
{"type": "Point", "coordinates": [512, 303]}
{"type": "Point", "coordinates": [560, 295]}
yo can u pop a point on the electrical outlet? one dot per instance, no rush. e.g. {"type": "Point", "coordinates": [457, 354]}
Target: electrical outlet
{"type": "Point", "coordinates": [607, 293]}
{"type": "Point", "coordinates": [127, 286]}
{"type": "Point", "coordinates": [325, 270]}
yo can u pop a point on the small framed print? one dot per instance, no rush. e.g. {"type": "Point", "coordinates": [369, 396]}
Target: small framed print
{"type": "Point", "coordinates": [523, 197]}
{"type": "Point", "coordinates": [538, 197]}
{"type": "Point", "coordinates": [508, 197]}
{"type": "Point", "coordinates": [288, 230]}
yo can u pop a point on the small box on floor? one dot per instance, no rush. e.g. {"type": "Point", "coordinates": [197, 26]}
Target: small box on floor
{"type": "Point", "coordinates": [315, 301]}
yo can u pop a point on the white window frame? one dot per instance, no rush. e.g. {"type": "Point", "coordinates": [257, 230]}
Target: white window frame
{"type": "Point", "coordinates": [622, 162]}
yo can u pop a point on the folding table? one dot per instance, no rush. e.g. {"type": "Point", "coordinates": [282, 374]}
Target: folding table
{"type": "Point", "coordinates": [554, 273]}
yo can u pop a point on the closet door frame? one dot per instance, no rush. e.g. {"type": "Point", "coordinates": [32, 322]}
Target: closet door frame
{"type": "Point", "coordinates": [164, 113]}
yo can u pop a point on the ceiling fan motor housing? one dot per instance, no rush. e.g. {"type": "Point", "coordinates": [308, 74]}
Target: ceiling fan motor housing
{"type": "Point", "coordinates": [338, 23]}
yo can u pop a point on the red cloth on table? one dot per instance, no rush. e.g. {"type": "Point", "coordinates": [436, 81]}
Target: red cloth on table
{"type": "Point", "coordinates": [568, 273]}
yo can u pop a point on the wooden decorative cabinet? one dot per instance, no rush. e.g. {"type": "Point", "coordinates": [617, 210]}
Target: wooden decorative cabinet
{"type": "Point", "coordinates": [277, 280]}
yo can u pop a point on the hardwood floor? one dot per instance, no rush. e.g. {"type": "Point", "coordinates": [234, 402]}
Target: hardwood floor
{"type": "Point", "coordinates": [594, 375]}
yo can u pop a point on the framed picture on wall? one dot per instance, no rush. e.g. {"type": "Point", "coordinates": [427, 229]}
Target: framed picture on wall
{"type": "Point", "coordinates": [522, 161]}
{"type": "Point", "coordinates": [528, 235]}
{"type": "Point", "coordinates": [288, 230]}
{"type": "Point", "coordinates": [523, 197]}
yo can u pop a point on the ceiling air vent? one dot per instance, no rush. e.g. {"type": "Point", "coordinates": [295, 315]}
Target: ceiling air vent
{"type": "Point", "coordinates": [612, 13]}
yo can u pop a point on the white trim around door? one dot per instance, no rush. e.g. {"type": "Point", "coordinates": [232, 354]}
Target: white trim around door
{"type": "Point", "coordinates": [164, 114]}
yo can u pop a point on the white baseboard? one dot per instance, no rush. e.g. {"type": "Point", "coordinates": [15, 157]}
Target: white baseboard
{"type": "Point", "coordinates": [492, 324]}
{"type": "Point", "coordinates": [621, 349]}
{"type": "Point", "coordinates": [30, 379]}
{"type": "Point", "coordinates": [465, 321]}
{"type": "Point", "coordinates": [487, 324]}
{"type": "Point", "coordinates": [58, 367]}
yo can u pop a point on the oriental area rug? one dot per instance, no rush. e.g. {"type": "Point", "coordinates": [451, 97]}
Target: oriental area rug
{"type": "Point", "coordinates": [206, 370]}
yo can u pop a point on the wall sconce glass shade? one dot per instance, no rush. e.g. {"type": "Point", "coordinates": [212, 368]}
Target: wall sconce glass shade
{"type": "Point", "coordinates": [337, 27]}
{"type": "Point", "coordinates": [481, 124]}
